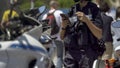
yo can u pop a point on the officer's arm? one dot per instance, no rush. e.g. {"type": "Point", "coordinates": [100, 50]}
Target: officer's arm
{"type": "Point", "coordinates": [94, 29]}
{"type": "Point", "coordinates": [97, 32]}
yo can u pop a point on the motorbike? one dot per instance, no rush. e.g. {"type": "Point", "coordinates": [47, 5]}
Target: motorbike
{"type": "Point", "coordinates": [20, 46]}
{"type": "Point", "coordinates": [115, 28]}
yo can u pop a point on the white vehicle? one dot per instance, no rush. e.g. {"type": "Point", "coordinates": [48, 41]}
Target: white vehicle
{"type": "Point", "coordinates": [115, 29]}
{"type": "Point", "coordinates": [22, 49]}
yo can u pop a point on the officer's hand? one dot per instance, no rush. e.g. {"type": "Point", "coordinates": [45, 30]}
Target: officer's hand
{"type": "Point", "coordinates": [82, 17]}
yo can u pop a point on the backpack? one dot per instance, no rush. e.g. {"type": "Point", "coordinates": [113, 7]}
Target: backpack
{"type": "Point", "coordinates": [52, 22]}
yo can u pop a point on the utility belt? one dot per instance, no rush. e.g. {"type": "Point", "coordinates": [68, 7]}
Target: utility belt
{"type": "Point", "coordinates": [84, 47]}
{"type": "Point", "coordinates": [53, 38]}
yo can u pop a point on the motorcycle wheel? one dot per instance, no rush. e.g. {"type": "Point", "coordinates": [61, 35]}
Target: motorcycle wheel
{"type": "Point", "coordinates": [99, 64]}
{"type": "Point", "coordinates": [32, 63]}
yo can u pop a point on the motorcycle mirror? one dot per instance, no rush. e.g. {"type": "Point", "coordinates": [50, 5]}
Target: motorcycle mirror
{"type": "Point", "coordinates": [42, 9]}
{"type": "Point", "coordinates": [45, 39]}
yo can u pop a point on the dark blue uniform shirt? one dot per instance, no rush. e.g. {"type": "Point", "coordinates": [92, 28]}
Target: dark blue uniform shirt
{"type": "Point", "coordinates": [84, 35]}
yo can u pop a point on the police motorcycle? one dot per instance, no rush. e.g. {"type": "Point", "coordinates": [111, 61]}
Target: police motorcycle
{"type": "Point", "coordinates": [20, 46]}
{"type": "Point", "coordinates": [115, 28]}
{"type": "Point", "coordinates": [45, 38]}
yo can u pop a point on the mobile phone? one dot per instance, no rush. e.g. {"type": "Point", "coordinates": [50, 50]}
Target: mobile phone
{"type": "Point", "coordinates": [64, 17]}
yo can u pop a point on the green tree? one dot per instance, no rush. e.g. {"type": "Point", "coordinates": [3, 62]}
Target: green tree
{"type": "Point", "coordinates": [65, 3]}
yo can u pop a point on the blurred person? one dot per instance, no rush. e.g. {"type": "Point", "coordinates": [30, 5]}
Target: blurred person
{"type": "Point", "coordinates": [8, 17]}
{"type": "Point", "coordinates": [55, 20]}
{"type": "Point", "coordinates": [9, 14]}
{"type": "Point", "coordinates": [54, 10]}
{"type": "Point", "coordinates": [81, 42]}
{"type": "Point", "coordinates": [106, 21]}
{"type": "Point", "coordinates": [111, 11]}
{"type": "Point", "coordinates": [103, 22]}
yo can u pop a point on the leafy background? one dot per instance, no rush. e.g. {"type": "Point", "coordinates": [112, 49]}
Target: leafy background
{"type": "Point", "coordinates": [63, 3]}
{"type": "Point", "coordinates": [25, 4]}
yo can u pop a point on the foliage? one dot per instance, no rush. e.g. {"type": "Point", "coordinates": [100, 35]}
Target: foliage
{"type": "Point", "coordinates": [26, 4]}
{"type": "Point", "coordinates": [66, 3]}
{"type": "Point", "coordinates": [63, 3]}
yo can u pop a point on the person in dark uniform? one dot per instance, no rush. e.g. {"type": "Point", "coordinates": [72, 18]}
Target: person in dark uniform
{"type": "Point", "coordinates": [103, 21]}
{"type": "Point", "coordinates": [81, 42]}
{"type": "Point", "coordinates": [106, 21]}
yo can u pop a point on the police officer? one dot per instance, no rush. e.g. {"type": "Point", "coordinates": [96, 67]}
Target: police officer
{"type": "Point", "coordinates": [80, 44]}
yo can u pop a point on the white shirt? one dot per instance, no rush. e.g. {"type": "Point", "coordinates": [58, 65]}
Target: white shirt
{"type": "Point", "coordinates": [58, 20]}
